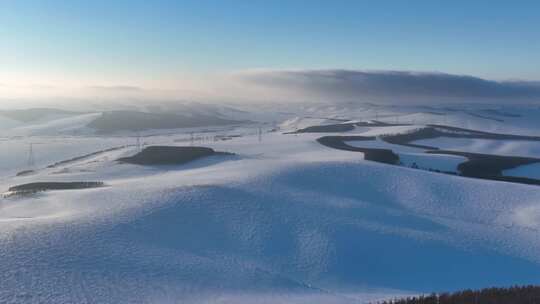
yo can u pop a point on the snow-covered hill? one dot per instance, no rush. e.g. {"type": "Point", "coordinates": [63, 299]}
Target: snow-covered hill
{"type": "Point", "coordinates": [71, 125]}
{"type": "Point", "coordinates": [8, 123]}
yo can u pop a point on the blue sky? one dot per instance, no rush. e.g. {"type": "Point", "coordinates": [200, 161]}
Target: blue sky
{"type": "Point", "coordinates": [132, 42]}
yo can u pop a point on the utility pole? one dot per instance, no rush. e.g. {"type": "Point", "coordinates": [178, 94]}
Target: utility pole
{"type": "Point", "coordinates": [31, 158]}
{"type": "Point", "coordinates": [191, 138]}
{"type": "Point", "coordinates": [260, 134]}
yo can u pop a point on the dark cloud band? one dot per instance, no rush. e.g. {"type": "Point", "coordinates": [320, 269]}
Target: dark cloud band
{"type": "Point", "coordinates": [393, 86]}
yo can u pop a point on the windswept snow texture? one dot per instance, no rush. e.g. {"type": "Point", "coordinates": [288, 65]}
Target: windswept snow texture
{"type": "Point", "coordinates": [287, 220]}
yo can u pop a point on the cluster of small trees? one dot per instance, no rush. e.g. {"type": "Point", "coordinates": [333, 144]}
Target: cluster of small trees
{"type": "Point", "coordinates": [513, 295]}
{"type": "Point", "coordinates": [414, 165]}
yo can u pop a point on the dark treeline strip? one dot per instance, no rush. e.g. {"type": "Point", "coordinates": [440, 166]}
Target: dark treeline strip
{"type": "Point", "coordinates": [435, 131]}
{"type": "Point", "coordinates": [74, 159]}
{"type": "Point", "coordinates": [511, 295]}
{"type": "Point", "coordinates": [486, 135]}
{"type": "Point", "coordinates": [330, 118]}
{"type": "Point", "coordinates": [44, 186]}
{"type": "Point", "coordinates": [379, 155]}
{"type": "Point", "coordinates": [327, 128]}
{"type": "Point", "coordinates": [483, 166]}
{"type": "Point", "coordinates": [501, 113]}
{"type": "Point", "coordinates": [484, 117]}
{"type": "Point", "coordinates": [343, 127]}
{"type": "Point", "coordinates": [25, 172]}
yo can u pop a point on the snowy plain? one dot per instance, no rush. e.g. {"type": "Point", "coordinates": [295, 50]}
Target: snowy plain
{"type": "Point", "coordinates": [284, 220]}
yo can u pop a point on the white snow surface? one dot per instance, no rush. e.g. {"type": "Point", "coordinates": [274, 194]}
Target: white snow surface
{"type": "Point", "coordinates": [446, 163]}
{"type": "Point", "coordinates": [285, 220]}
{"type": "Point", "coordinates": [487, 146]}
{"type": "Point", "coordinates": [530, 171]}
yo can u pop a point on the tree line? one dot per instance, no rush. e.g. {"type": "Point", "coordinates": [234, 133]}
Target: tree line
{"type": "Point", "coordinates": [511, 295]}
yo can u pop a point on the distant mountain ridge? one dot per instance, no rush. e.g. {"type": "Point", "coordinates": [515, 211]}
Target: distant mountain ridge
{"type": "Point", "coordinates": [35, 114]}
{"type": "Point", "coordinates": [105, 122]}
{"type": "Point", "coordinates": [114, 121]}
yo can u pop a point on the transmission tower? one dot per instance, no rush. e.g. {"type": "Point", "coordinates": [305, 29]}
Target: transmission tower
{"type": "Point", "coordinates": [138, 141]}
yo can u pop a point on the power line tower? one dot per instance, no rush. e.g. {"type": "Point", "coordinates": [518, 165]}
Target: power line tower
{"type": "Point", "coordinates": [31, 158]}
{"type": "Point", "coordinates": [260, 134]}
{"type": "Point", "coordinates": [138, 141]}
{"type": "Point", "coordinates": [191, 138]}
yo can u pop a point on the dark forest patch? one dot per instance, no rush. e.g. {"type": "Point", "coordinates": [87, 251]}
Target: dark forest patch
{"type": "Point", "coordinates": [25, 172]}
{"type": "Point", "coordinates": [32, 188]}
{"type": "Point", "coordinates": [327, 128]}
{"type": "Point", "coordinates": [488, 166]}
{"type": "Point", "coordinates": [169, 155]}
{"type": "Point", "coordinates": [511, 295]}
{"type": "Point", "coordinates": [43, 186]}
{"type": "Point", "coordinates": [435, 131]}
{"type": "Point", "coordinates": [343, 127]}
{"type": "Point", "coordinates": [374, 154]}
{"type": "Point", "coordinates": [483, 166]}
{"type": "Point", "coordinates": [484, 117]}
{"type": "Point", "coordinates": [434, 113]}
